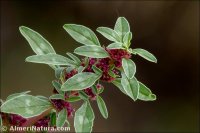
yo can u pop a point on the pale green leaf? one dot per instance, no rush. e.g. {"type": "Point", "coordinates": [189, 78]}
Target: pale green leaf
{"type": "Point", "coordinates": [145, 93]}
{"type": "Point", "coordinates": [53, 59]}
{"type": "Point", "coordinates": [115, 46]}
{"type": "Point", "coordinates": [109, 33]}
{"type": "Point", "coordinates": [145, 54]}
{"type": "Point", "coordinates": [84, 118]}
{"type": "Point", "coordinates": [62, 116]}
{"type": "Point", "coordinates": [74, 58]}
{"type": "Point", "coordinates": [16, 94]}
{"type": "Point", "coordinates": [26, 106]}
{"type": "Point", "coordinates": [82, 34]}
{"type": "Point", "coordinates": [122, 27]}
{"type": "Point", "coordinates": [127, 39]}
{"type": "Point", "coordinates": [80, 81]}
{"type": "Point", "coordinates": [92, 51]}
{"type": "Point", "coordinates": [73, 99]}
{"type": "Point", "coordinates": [97, 70]}
{"type": "Point", "coordinates": [39, 44]}
{"type": "Point", "coordinates": [117, 83]}
{"type": "Point", "coordinates": [131, 86]}
{"type": "Point", "coordinates": [129, 67]}
{"type": "Point", "coordinates": [58, 72]}
{"type": "Point", "coordinates": [83, 95]}
{"type": "Point", "coordinates": [102, 107]}
{"type": "Point", "coordinates": [57, 96]}
{"type": "Point", "coordinates": [57, 86]}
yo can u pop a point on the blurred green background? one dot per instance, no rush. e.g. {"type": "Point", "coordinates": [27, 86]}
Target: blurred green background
{"type": "Point", "coordinates": [168, 29]}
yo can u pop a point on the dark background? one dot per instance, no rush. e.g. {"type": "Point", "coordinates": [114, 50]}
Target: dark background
{"type": "Point", "coordinates": [168, 29]}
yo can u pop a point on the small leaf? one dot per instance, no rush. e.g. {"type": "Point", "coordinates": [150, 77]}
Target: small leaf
{"type": "Point", "coordinates": [84, 118]}
{"type": "Point", "coordinates": [145, 54]}
{"type": "Point", "coordinates": [92, 51]}
{"type": "Point", "coordinates": [97, 70]}
{"type": "Point", "coordinates": [131, 86]}
{"type": "Point", "coordinates": [62, 116]}
{"type": "Point", "coordinates": [129, 67]}
{"type": "Point", "coordinates": [73, 99]}
{"type": "Point", "coordinates": [26, 106]}
{"type": "Point", "coordinates": [53, 119]}
{"type": "Point", "coordinates": [53, 59]}
{"type": "Point", "coordinates": [83, 95]}
{"type": "Point", "coordinates": [115, 46]}
{"type": "Point", "coordinates": [94, 89]}
{"type": "Point", "coordinates": [145, 93]}
{"type": "Point", "coordinates": [16, 95]}
{"type": "Point", "coordinates": [57, 96]}
{"type": "Point", "coordinates": [76, 59]}
{"type": "Point", "coordinates": [102, 107]}
{"type": "Point", "coordinates": [127, 39]}
{"type": "Point", "coordinates": [112, 74]}
{"type": "Point", "coordinates": [82, 34]}
{"type": "Point", "coordinates": [39, 44]}
{"type": "Point", "coordinates": [109, 33]}
{"type": "Point", "coordinates": [58, 72]}
{"type": "Point", "coordinates": [117, 83]}
{"type": "Point", "coordinates": [80, 81]}
{"type": "Point", "coordinates": [80, 69]}
{"type": "Point", "coordinates": [57, 86]}
{"type": "Point", "coordinates": [122, 27]}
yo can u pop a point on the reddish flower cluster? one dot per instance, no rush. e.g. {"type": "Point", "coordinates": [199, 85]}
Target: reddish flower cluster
{"type": "Point", "coordinates": [44, 122]}
{"type": "Point", "coordinates": [60, 104]}
{"type": "Point", "coordinates": [117, 55]}
{"type": "Point", "coordinates": [13, 119]}
{"type": "Point", "coordinates": [105, 64]}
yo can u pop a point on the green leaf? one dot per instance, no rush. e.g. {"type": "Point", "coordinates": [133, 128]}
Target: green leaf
{"type": "Point", "coordinates": [80, 81]}
{"type": "Point", "coordinates": [102, 107]}
{"type": "Point", "coordinates": [62, 116]}
{"type": "Point", "coordinates": [57, 86]}
{"type": "Point", "coordinates": [84, 118]}
{"type": "Point", "coordinates": [145, 54]}
{"type": "Point", "coordinates": [145, 93]}
{"type": "Point", "coordinates": [58, 72]}
{"type": "Point", "coordinates": [94, 89]}
{"type": "Point", "coordinates": [73, 99]}
{"type": "Point", "coordinates": [109, 33]}
{"type": "Point", "coordinates": [57, 96]}
{"type": "Point", "coordinates": [39, 44]}
{"type": "Point", "coordinates": [53, 119]}
{"type": "Point", "coordinates": [82, 34]}
{"type": "Point", "coordinates": [127, 39]}
{"type": "Point", "coordinates": [92, 51]}
{"type": "Point", "coordinates": [117, 83]}
{"type": "Point", "coordinates": [83, 95]}
{"type": "Point", "coordinates": [122, 27]}
{"type": "Point", "coordinates": [74, 58]}
{"type": "Point", "coordinates": [115, 46]}
{"type": "Point", "coordinates": [16, 95]}
{"type": "Point", "coordinates": [131, 86]}
{"type": "Point", "coordinates": [26, 106]}
{"type": "Point", "coordinates": [53, 59]}
{"type": "Point", "coordinates": [80, 69]}
{"type": "Point", "coordinates": [129, 67]}
{"type": "Point", "coordinates": [97, 70]}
